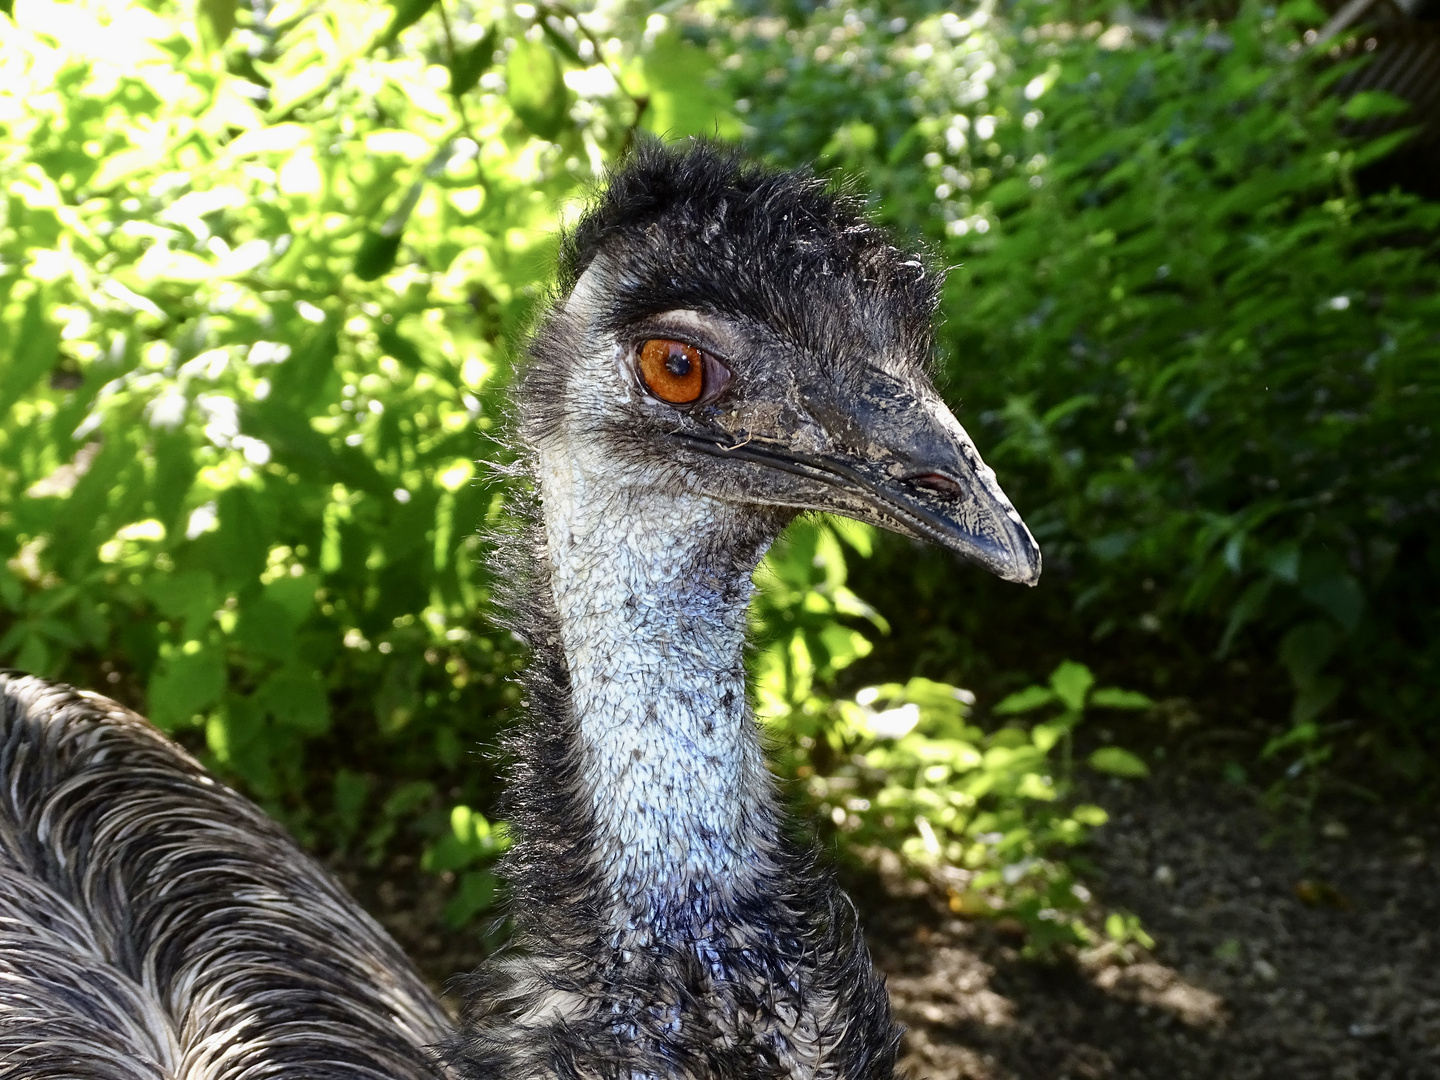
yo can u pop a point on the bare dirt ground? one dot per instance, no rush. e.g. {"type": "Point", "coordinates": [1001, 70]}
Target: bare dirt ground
{"type": "Point", "coordinates": [1315, 954]}
{"type": "Point", "coordinates": [1308, 957]}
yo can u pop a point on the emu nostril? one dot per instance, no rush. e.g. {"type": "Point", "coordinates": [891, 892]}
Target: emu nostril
{"type": "Point", "coordinates": [938, 483]}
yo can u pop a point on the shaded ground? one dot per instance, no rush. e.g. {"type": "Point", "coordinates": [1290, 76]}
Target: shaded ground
{"type": "Point", "coordinates": [1290, 960]}
{"type": "Point", "coordinates": [1297, 959]}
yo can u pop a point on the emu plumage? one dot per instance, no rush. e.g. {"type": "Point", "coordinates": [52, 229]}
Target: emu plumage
{"type": "Point", "coordinates": [154, 925]}
{"type": "Point", "coordinates": [664, 924]}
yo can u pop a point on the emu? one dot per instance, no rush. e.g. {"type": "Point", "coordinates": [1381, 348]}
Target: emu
{"type": "Point", "coordinates": [728, 346]}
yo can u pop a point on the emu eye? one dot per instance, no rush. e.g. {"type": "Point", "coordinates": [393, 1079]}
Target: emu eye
{"type": "Point", "coordinates": [677, 373]}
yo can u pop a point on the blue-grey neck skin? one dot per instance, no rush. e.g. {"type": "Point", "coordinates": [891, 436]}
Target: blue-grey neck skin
{"type": "Point", "coordinates": [651, 618]}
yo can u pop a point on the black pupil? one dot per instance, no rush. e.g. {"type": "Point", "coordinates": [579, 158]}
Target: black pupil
{"type": "Point", "coordinates": [677, 363]}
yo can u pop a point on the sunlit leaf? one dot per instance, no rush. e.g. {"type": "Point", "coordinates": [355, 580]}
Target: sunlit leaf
{"type": "Point", "coordinates": [536, 91]}
{"type": "Point", "coordinates": [683, 100]}
{"type": "Point", "coordinates": [32, 354]}
{"type": "Point", "coordinates": [1071, 682]}
{"type": "Point", "coordinates": [1112, 698]}
{"type": "Point", "coordinates": [1027, 700]}
{"type": "Point", "coordinates": [216, 19]}
{"type": "Point", "coordinates": [470, 63]}
{"type": "Point", "coordinates": [1118, 762]}
{"type": "Point", "coordinates": [407, 14]}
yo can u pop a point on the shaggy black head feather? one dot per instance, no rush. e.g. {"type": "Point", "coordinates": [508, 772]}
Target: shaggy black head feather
{"type": "Point", "coordinates": [702, 224]}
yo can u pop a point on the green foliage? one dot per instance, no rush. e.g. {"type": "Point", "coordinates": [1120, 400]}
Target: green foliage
{"type": "Point", "coordinates": [902, 766]}
{"type": "Point", "coordinates": [471, 842]}
{"type": "Point", "coordinates": [259, 268]}
{"type": "Point", "coordinates": [1203, 361]}
{"type": "Point", "coordinates": [260, 276]}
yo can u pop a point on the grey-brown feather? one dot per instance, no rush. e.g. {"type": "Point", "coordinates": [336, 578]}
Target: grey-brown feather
{"type": "Point", "coordinates": [156, 925]}
{"type": "Point", "coordinates": [757, 975]}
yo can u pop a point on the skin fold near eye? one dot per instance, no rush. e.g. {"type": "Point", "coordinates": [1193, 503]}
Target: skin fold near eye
{"type": "Point", "coordinates": [673, 371]}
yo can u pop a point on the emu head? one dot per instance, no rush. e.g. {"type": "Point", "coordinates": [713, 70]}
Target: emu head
{"type": "Point", "coordinates": [747, 336]}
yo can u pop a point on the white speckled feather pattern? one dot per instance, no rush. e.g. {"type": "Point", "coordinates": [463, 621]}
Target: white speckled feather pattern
{"type": "Point", "coordinates": [154, 925]}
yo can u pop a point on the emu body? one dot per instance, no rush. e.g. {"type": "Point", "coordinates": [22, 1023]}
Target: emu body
{"type": "Point", "coordinates": [727, 347]}
{"type": "Point", "coordinates": [154, 925]}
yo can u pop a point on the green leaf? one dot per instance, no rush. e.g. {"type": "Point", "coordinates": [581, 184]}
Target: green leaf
{"type": "Point", "coordinates": [232, 730]}
{"type": "Point", "coordinates": [407, 14]}
{"type": "Point", "coordinates": [33, 352]}
{"type": "Point", "coordinates": [377, 254]}
{"type": "Point", "coordinates": [1112, 698]}
{"type": "Point", "coordinates": [1384, 146]}
{"type": "Point", "coordinates": [1027, 700]}
{"type": "Point", "coordinates": [1250, 604]}
{"type": "Point", "coordinates": [266, 628]}
{"type": "Point", "coordinates": [1010, 193]}
{"type": "Point", "coordinates": [537, 92]}
{"type": "Point", "coordinates": [184, 683]}
{"type": "Point", "coordinates": [189, 595]}
{"type": "Point", "coordinates": [295, 697]}
{"type": "Point", "coordinates": [408, 798]}
{"type": "Point", "coordinates": [176, 466]}
{"type": "Point", "coordinates": [299, 380]}
{"type": "Point", "coordinates": [294, 593]}
{"type": "Point", "coordinates": [1118, 762]}
{"type": "Point", "coordinates": [297, 444]}
{"type": "Point", "coordinates": [350, 790]}
{"type": "Point", "coordinates": [243, 537]}
{"type": "Point", "coordinates": [1112, 546]}
{"type": "Point", "coordinates": [401, 348]}
{"type": "Point", "coordinates": [563, 45]}
{"type": "Point", "coordinates": [1369, 104]}
{"type": "Point", "coordinates": [469, 840]}
{"type": "Point", "coordinates": [683, 97]}
{"type": "Point", "coordinates": [1284, 562]}
{"type": "Point", "coordinates": [216, 19]}
{"type": "Point", "coordinates": [1314, 698]}
{"type": "Point", "coordinates": [1338, 595]}
{"type": "Point", "coordinates": [448, 750]}
{"type": "Point", "coordinates": [1070, 682]}
{"type": "Point", "coordinates": [475, 894]}
{"type": "Point", "coordinates": [1306, 648]}
{"type": "Point", "coordinates": [1302, 734]}
{"type": "Point", "coordinates": [1303, 12]}
{"type": "Point", "coordinates": [1045, 736]}
{"type": "Point", "coordinates": [468, 65]}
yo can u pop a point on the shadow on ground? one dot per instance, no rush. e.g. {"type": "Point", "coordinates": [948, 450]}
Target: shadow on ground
{"type": "Point", "coordinates": [1312, 957]}
{"type": "Point", "coordinates": [1274, 958]}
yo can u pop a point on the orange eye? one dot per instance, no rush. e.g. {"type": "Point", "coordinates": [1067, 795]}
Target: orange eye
{"type": "Point", "coordinates": [672, 370]}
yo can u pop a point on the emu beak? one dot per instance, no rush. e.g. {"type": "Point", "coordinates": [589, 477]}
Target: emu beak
{"type": "Point", "coordinates": [899, 459]}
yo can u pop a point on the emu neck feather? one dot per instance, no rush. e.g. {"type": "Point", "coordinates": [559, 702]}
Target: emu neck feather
{"type": "Point", "coordinates": [651, 592]}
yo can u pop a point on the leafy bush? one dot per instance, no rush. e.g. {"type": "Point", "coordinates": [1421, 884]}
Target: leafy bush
{"type": "Point", "coordinates": [901, 766]}
{"type": "Point", "coordinates": [257, 287]}
{"type": "Point", "coordinates": [1203, 360]}
{"type": "Point", "coordinates": [255, 290]}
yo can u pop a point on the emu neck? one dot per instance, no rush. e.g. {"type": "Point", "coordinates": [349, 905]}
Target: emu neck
{"type": "Point", "coordinates": [651, 592]}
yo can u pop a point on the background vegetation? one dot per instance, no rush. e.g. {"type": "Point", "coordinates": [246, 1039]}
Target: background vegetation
{"type": "Point", "coordinates": [262, 268]}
